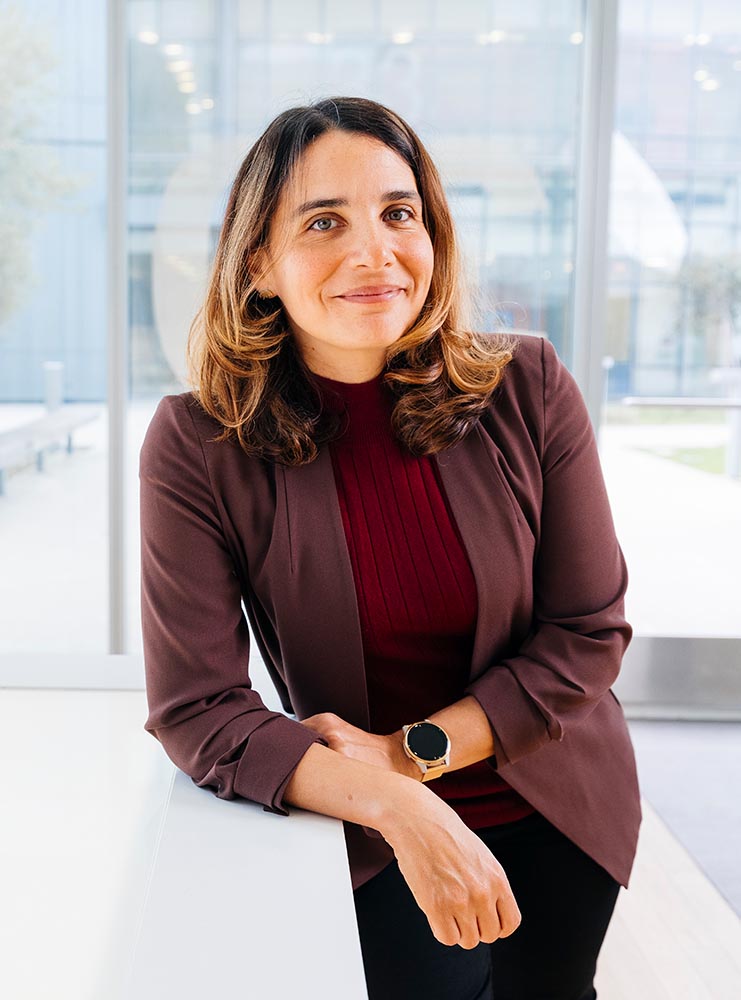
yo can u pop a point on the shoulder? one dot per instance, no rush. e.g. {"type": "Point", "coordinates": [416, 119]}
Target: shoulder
{"type": "Point", "coordinates": [541, 397]}
{"type": "Point", "coordinates": [184, 442]}
{"type": "Point", "coordinates": [181, 415]}
{"type": "Point", "coordinates": [528, 352]}
{"type": "Point", "coordinates": [521, 407]}
{"type": "Point", "coordinates": [521, 385]}
{"type": "Point", "coordinates": [528, 346]}
{"type": "Point", "coordinates": [168, 421]}
{"type": "Point", "coordinates": [178, 425]}
{"type": "Point", "coordinates": [535, 370]}
{"type": "Point", "coordinates": [180, 404]}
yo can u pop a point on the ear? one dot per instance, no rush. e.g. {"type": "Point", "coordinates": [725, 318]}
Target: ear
{"type": "Point", "coordinates": [257, 263]}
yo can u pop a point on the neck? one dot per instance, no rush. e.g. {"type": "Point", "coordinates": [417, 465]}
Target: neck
{"type": "Point", "coordinates": [354, 375]}
{"type": "Point", "coordinates": [346, 369]}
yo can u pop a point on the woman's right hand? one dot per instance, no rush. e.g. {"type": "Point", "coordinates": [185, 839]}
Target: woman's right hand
{"type": "Point", "coordinates": [457, 882]}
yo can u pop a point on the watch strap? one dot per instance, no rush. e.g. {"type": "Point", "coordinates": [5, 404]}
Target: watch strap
{"type": "Point", "coordinates": [429, 771]}
{"type": "Point", "coordinates": [433, 771]}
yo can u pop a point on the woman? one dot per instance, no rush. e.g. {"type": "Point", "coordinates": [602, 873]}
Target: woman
{"type": "Point", "coordinates": [415, 518]}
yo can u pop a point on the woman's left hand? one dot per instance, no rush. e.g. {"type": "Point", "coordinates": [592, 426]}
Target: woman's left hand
{"type": "Point", "coordinates": [382, 751]}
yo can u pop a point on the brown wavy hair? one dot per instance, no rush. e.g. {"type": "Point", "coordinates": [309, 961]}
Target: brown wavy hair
{"type": "Point", "coordinates": [243, 362]}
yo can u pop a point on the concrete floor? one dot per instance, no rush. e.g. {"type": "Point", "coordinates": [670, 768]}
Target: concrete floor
{"type": "Point", "coordinates": [690, 772]}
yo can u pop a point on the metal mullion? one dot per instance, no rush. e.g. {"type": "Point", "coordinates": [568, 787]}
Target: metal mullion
{"type": "Point", "coordinates": [593, 198]}
{"type": "Point", "coordinates": [117, 314]}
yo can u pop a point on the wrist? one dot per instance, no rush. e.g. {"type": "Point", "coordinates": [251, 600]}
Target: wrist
{"type": "Point", "coordinates": [402, 763]}
{"type": "Point", "coordinates": [401, 804]}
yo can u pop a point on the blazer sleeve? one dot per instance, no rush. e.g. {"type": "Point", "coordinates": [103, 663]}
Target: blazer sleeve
{"type": "Point", "coordinates": [202, 707]}
{"type": "Point", "coordinates": [574, 649]}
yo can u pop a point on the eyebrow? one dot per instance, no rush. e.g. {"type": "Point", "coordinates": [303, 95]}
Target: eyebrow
{"type": "Point", "coordinates": [309, 206]}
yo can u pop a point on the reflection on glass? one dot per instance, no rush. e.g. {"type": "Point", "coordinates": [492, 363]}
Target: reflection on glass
{"type": "Point", "coordinates": [53, 588]}
{"type": "Point", "coordinates": [494, 95]}
{"type": "Point", "coordinates": [493, 91]}
{"type": "Point", "coordinates": [673, 456]}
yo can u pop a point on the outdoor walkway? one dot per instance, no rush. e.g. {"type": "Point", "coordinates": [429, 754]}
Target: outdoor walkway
{"type": "Point", "coordinates": [680, 530]}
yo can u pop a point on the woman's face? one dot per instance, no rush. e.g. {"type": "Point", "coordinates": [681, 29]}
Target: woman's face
{"type": "Point", "coordinates": [370, 236]}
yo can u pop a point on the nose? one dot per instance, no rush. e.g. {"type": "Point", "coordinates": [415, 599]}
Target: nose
{"type": "Point", "coordinates": [372, 245]}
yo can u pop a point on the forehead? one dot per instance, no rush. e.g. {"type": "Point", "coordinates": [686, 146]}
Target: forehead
{"type": "Point", "coordinates": [337, 164]}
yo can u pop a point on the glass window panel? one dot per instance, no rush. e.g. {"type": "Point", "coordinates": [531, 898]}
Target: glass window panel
{"type": "Point", "coordinates": [495, 96]}
{"type": "Point", "coordinates": [253, 18]}
{"type": "Point", "coordinates": [347, 19]}
{"type": "Point", "coordinates": [53, 377]}
{"type": "Point", "coordinates": [295, 18]}
{"type": "Point", "coordinates": [404, 15]}
{"type": "Point", "coordinates": [674, 321]}
{"type": "Point", "coordinates": [508, 153]}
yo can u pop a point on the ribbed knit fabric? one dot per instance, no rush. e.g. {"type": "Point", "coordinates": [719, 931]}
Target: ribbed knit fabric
{"type": "Point", "coordinates": [415, 589]}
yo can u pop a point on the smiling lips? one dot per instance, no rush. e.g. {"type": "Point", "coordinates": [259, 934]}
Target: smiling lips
{"type": "Point", "coordinates": [372, 293]}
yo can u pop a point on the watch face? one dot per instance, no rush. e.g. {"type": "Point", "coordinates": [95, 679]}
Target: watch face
{"type": "Point", "coordinates": [427, 740]}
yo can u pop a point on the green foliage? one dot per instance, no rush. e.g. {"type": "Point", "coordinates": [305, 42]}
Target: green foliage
{"type": "Point", "coordinates": [32, 180]}
{"type": "Point", "coordinates": [705, 459]}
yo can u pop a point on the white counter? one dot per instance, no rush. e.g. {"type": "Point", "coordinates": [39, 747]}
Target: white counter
{"type": "Point", "coordinates": [121, 878]}
{"type": "Point", "coordinates": [246, 904]}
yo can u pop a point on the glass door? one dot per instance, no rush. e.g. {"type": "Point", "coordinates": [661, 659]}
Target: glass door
{"type": "Point", "coordinates": [671, 432]}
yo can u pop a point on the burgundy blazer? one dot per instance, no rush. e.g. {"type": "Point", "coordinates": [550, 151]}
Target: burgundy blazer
{"type": "Point", "coordinates": [219, 528]}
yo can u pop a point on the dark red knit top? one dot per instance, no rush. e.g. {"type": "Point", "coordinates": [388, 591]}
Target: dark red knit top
{"type": "Point", "coordinates": [415, 589]}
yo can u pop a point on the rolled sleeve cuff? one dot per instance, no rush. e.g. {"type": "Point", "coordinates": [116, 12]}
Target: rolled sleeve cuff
{"type": "Point", "coordinates": [273, 753]}
{"type": "Point", "coordinates": [517, 726]}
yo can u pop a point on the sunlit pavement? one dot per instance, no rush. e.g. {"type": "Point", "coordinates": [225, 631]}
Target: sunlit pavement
{"type": "Point", "coordinates": [680, 530]}
{"type": "Point", "coordinates": [679, 527]}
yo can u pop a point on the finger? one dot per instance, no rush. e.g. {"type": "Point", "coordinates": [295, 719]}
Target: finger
{"type": "Point", "coordinates": [469, 934]}
{"type": "Point", "coordinates": [489, 924]}
{"type": "Point", "coordinates": [510, 917]}
{"type": "Point", "coordinates": [445, 931]}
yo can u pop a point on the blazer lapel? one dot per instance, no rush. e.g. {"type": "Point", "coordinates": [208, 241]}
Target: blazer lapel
{"type": "Point", "coordinates": [497, 539]}
{"type": "Point", "coordinates": [320, 635]}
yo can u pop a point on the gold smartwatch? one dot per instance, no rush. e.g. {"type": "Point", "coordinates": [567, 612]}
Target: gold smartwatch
{"type": "Point", "coordinates": [429, 746]}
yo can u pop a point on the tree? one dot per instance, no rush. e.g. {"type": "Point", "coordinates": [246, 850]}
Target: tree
{"type": "Point", "coordinates": [713, 305]}
{"type": "Point", "coordinates": [32, 180]}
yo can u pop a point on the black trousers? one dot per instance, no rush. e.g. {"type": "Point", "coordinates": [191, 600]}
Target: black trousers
{"type": "Point", "coordinates": [566, 900]}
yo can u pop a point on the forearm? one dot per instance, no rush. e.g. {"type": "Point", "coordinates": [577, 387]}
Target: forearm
{"type": "Point", "coordinates": [471, 735]}
{"type": "Point", "coordinates": [328, 782]}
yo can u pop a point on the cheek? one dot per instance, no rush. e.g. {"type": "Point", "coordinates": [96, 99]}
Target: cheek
{"type": "Point", "coordinates": [301, 272]}
{"type": "Point", "coordinates": [421, 248]}
{"type": "Point", "coordinates": [420, 259]}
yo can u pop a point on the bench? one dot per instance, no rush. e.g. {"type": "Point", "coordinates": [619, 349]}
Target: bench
{"type": "Point", "coordinates": [29, 442]}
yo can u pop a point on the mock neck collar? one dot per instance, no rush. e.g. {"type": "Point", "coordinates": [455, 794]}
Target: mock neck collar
{"type": "Point", "coordinates": [354, 396]}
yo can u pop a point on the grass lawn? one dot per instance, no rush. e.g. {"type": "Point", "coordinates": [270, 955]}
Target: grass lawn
{"type": "Point", "coordinates": [617, 413]}
{"type": "Point", "coordinates": [707, 459]}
